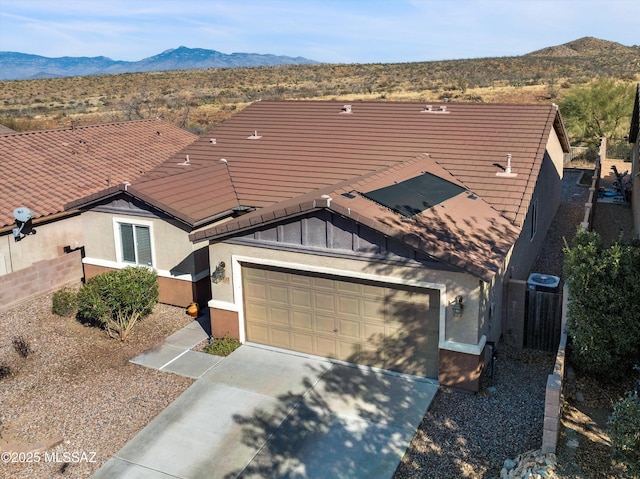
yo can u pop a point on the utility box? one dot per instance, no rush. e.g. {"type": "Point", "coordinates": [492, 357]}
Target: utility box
{"type": "Point", "coordinates": [543, 319]}
{"type": "Point", "coordinates": [543, 282]}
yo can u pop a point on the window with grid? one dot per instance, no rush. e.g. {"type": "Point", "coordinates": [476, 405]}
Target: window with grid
{"type": "Point", "coordinates": [135, 243]}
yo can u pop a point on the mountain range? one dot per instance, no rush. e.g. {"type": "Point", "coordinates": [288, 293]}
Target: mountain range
{"type": "Point", "coordinates": [601, 55]}
{"type": "Point", "coordinates": [23, 66]}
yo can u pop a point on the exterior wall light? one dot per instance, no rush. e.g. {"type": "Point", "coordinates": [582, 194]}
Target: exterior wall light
{"type": "Point", "coordinates": [218, 273]}
{"type": "Point", "coordinates": [457, 307]}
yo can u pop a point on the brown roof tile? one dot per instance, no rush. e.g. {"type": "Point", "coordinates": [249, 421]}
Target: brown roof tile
{"type": "Point", "coordinates": [307, 145]}
{"type": "Point", "coordinates": [44, 170]}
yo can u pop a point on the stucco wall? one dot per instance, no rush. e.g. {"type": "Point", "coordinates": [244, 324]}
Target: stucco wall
{"type": "Point", "coordinates": [48, 243]}
{"type": "Point", "coordinates": [172, 250]}
{"type": "Point", "coordinates": [554, 149]}
{"type": "Point", "coordinates": [548, 193]}
{"type": "Point", "coordinates": [463, 330]}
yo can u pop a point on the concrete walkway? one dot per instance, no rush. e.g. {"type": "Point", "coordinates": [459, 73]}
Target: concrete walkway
{"type": "Point", "coordinates": [175, 355]}
{"type": "Point", "coordinates": [262, 413]}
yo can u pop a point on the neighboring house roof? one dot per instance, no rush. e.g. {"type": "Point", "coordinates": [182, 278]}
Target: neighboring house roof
{"type": "Point", "coordinates": [635, 118]}
{"type": "Point", "coordinates": [4, 130]}
{"type": "Point", "coordinates": [278, 157]}
{"type": "Point", "coordinates": [44, 170]}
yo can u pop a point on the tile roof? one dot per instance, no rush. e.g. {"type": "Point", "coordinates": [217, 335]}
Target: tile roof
{"type": "Point", "coordinates": [44, 170]}
{"type": "Point", "coordinates": [280, 155]}
{"type": "Point", "coordinates": [306, 145]}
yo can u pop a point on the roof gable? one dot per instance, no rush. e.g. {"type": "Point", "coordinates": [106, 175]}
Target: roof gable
{"type": "Point", "coordinates": [463, 231]}
{"type": "Point", "coordinates": [44, 170]}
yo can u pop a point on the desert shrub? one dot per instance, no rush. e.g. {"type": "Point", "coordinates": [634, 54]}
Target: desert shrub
{"type": "Point", "coordinates": [64, 302]}
{"type": "Point", "coordinates": [5, 370]}
{"type": "Point", "coordinates": [117, 300]}
{"type": "Point", "coordinates": [223, 346]}
{"type": "Point", "coordinates": [22, 346]}
{"type": "Point", "coordinates": [604, 308]}
{"type": "Point", "coordinates": [624, 430]}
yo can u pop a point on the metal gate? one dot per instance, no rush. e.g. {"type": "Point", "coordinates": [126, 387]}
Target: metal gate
{"type": "Point", "coordinates": [543, 320]}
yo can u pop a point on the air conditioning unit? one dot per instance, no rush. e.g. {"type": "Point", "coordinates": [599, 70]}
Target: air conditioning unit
{"type": "Point", "coordinates": [543, 282]}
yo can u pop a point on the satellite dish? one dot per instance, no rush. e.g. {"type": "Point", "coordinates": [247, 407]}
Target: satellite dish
{"type": "Point", "coordinates": [23, 217]}
{"type": "Point", "coordinates": [22, 214]}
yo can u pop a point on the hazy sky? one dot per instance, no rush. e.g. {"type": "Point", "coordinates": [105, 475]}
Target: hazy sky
{"type": "Point", "coordinates": [333, 31]}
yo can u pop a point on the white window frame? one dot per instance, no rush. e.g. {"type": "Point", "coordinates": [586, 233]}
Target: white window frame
{"type": "Point", "coordinates": [118, 240]}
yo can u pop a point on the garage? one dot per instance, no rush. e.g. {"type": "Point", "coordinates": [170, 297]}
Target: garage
{"type": "Point", "coordinates": [372, 323]}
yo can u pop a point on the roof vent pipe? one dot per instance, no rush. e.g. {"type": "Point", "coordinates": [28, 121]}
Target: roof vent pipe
{"type": "Point", "coordinates": [507, 169]}
{"type": "Point", "coordinates": [346, 109]}
{"type": "Point", "coordinates": [186, 161]}
{"type": "Point", "coordinates": [255, 136]}
{"type": "Point", "coordinates": [213, 141]}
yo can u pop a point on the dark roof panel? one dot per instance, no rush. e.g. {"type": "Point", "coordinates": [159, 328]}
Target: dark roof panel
{"type": "Point", "coordinates": [415, 195]}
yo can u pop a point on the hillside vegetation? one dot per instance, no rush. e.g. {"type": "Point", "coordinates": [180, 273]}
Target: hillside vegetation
{"type": "Point", "coordinates": [198, 99]}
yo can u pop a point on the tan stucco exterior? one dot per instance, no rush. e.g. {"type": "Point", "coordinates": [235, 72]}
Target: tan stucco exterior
{"type": "Point", "coordinates": [182, 266]}
{"type": "Point", "coordinates": [48, 243]}
{"type": "Point", "coordinates": [463, 330]}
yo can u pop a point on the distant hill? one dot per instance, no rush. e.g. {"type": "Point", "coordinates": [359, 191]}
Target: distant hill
{"type": "Point", "coordinates": [22, 66]}
{"type": "Point", "coordinates": [586, 47]}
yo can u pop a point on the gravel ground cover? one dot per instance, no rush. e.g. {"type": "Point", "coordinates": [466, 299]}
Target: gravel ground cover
{"type": "Point", "coordinates": [76, 390]}
{"type": "Point", "coordinates": [470, 435]}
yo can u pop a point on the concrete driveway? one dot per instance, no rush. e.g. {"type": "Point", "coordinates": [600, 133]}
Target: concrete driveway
{"type": "Point", "coordinates": [267, 413]}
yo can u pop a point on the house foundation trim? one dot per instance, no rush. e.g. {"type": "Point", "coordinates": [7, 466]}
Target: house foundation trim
{"type": "Point", "coordinates": [225, 305]}
{"type": "Point", "coordinates": [161, 272]}
{"type": "Point", "coordinates": [475, 349]}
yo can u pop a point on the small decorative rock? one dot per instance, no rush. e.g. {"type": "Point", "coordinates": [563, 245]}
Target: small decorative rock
{"type": "Point", "coordinates": [530, 465]}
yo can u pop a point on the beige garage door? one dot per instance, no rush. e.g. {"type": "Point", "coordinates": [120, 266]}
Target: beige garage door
{"type": "Point", "coordinates": [386, 326]}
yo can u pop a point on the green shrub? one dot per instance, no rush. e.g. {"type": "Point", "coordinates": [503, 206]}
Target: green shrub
{"type": "Point", "coordinates": [117, 300]}
{"type": "Point", "coordinates": [624, 429]}
{"type": "Point", "coordinates": [64, 302]}
{"type": "Point", "coordinates": [604, 309]}
{"type": "Point", "coordinates": [223, 346]}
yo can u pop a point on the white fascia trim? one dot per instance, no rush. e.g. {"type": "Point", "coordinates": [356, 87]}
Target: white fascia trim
{"type": "Point", "coordinates": [225, 305]}
{"type": "Point", "coordinates": [236, 268]}
{"type": "Point", "coordinates": [475, 349]}
{"type": "Point", "coordinates": [161, 272]}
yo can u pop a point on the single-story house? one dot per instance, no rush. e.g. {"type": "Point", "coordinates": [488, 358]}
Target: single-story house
{"type": "Point", "coordinates": [379, 233]}
{"type": "Point", "coordinates": [634, 138]}
{"type": "Point", "coordinates": [44, 170]}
